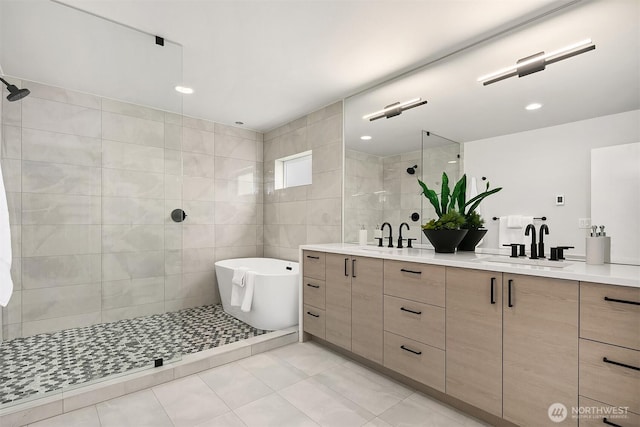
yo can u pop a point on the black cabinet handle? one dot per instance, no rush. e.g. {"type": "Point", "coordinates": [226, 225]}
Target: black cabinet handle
{"type": "Point", "coordinates": [510, 283]}
{"type": "Point", "coordinates": [311, 314]}
{"type": "Point", "coordinates": [346, 260]}
{"type": "Point", "coordinates": [409, 350]}
{"type": "Point", "coordinates": [313, 257]}
{"type": "Point", "coordinates": [353, 267]}
{"type": "Point", "coordinates": [624, 365]}
{"type": "Point", "coordinates": [410, 311]}
{"type": "Point", "coordinates": [313, 286]}
{"type": "Point", "coordinates": [404, 270]}
{"type": "Point", "coordinates": [493, 284]}
{"type": "Point", "coordinates": [609, 423]}
{"type": "Point", "coordinates": [622, 301]}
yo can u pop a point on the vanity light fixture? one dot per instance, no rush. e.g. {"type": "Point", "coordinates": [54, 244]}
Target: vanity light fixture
{"type": "Point", "coordinates": [537, 62]}
{"type": "Point", "coordinates": [365, 137]}
{"type": "Point", "coordinates": [184, 89]}
{"type": "Point", "coordinates": [533, 106]}
{"type": "Point", "coordinates": [394, 109]}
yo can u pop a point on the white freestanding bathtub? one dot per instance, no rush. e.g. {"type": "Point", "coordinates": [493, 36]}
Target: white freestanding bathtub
{"type": "Point", "coordinates": [275, 297]}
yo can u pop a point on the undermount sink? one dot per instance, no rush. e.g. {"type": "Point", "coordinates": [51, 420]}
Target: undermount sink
{"type": "Point", "coordinates": [540, 262]}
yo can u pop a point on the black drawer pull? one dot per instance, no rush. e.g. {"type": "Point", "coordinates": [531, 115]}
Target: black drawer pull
{"type": "Point", "coordinates": [609, 423]}
{"type": "Point", "coordinates": [409, 350]}
{"type": "Point", "coordinates": [622, 301]}
{"type": "Point", "coordinates": [311, 314]}
{"type": "Point", "coordinates": [510, 283]}
{"type": "Point", "coordinates": [404, 270]}
{"type": "Point", "coordinates": [353, 267]}
{"type": "Point", "coordinates": [313, 286]}
{"type": "Point", "coordinates": [493, 284]}
{"type": "Point", "coordinates": [624, 365]}
{"type": "Point", "coordinates": [410, 311]}
{"type": "Point", "coordinates": [346, 260]}
{"type": "Point", "coordinates": [313, 257]}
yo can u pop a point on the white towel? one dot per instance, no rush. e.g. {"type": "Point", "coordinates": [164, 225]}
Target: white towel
{"type": "Point", "coordinates": [514, 221]}
{"type": "Point", "coordinates": [238, 276]}
{"type": "Point", "coordinates": [247, 300]}
{"type": "Point", "coordinates": [507, 235]}
{"type": "Point", "coordinates": [6, 284]}
{"type": "Point", "coordinates": [238, 285]}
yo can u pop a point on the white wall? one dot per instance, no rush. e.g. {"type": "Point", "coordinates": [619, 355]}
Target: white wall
{"type": "Point", "coordinates": [535, 166]}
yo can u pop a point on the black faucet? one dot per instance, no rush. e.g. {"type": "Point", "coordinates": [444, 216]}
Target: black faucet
{"type": "Point", "coordinates": [390, 234]}
{"type": "Point", "coordinates": [534, 252]}
{"type": "Point", "coordinates": [400, 246]}
{"type": "Point", "coordinates": [545, 229]}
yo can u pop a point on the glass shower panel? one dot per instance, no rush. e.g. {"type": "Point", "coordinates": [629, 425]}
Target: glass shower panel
{"type": "Point", "coordinates": [439, 154]}
{"type": "Point", "coordinates": [95, 170]}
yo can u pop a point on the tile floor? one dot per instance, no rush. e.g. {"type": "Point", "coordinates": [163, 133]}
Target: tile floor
{"type": "Point", "coordinates": [301, 384]}
{"type": "Point", "coordinates": [33, 366]}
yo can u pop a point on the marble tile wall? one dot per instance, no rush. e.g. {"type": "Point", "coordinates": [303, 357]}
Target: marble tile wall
{"type": "Point", "coordinates": [91, 183]}
{"type": "Point", "coordinates": [379, 189]}
{"type": "Point", "coordinates": [310, 213]}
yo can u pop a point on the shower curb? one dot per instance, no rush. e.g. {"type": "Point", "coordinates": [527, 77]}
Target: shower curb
{"type": "Point", "coordinates": [87, 395]}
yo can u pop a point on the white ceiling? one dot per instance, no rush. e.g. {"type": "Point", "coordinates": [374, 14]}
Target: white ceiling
{"type": "Point", "coordinates": [266, 62]}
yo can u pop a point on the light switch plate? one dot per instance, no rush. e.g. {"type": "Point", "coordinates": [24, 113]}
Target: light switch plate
{"type": "Point", "coordinates": [584, 223]}
{"type": "Point", "coordinates": [559, 200]}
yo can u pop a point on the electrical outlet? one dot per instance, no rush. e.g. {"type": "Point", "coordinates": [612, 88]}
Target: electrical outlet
{"type": "Point", "coordinates": [584, 222]}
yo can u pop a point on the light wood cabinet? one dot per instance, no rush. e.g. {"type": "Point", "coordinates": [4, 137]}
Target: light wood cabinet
{"type": "Point", "coordinates": [414, 320]}
{"type": "Point", "coordinates": [540, 348]}
{"type": "Point", "coordinates": [314, 320]}
{"type": "Point", "coordinates": [597, 414]}
{"type": "Point", "coordinates": [415, 360]}
{"type": "Point", "coordinates": [353, 304]}
{"type": "Point", "coordinates": [418, 282]}
{"type": "Point", "coordinates": [610, 314]}
{"type": "Point", "coordinates": [610, 374]}
{"type": "Point", "coordinates": [366, 307]}
{"type": "Point", "coordinates": [474, 338]}
{"type": "Point", "coordinates": [338, 300]}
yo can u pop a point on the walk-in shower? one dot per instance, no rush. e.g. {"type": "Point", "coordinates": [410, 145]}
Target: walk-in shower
{"type": "Point", "coordinates": [94, 161]}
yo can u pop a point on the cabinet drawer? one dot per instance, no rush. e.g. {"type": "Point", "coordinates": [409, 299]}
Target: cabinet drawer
{"type": "Point", "coordinates": [613, 322]}
{"type": "Point", "coordinates": [418, 282]}
{"type": "Point", "coordinates": [314, 320]}
{"type": "Point", "coordinates": [414, 320]}
{"type": "Point", "coordinates": [594, 413]}
{"type": "Point", "coordinates": [313, 264]}
{"type": "Point", "coordinates": [314, 292]}
{"type": "Point", "coordinates": [415, 360]}
{"type": "Point", "coordinates": [607, 382]}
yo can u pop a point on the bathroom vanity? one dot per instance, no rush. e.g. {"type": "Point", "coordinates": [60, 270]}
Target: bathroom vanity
{"type": "Point", "coordinates": [502, 341]}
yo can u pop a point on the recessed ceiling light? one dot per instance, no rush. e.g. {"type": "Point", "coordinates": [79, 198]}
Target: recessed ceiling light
{"type": "Point", "coordinates": [184, 89]}
{"type": "Point", "coordinates": [452, 161]}
{"type": "Point", "coordinates": [533, 106]}
{"type": "Point", "coordinates": [365, 137]}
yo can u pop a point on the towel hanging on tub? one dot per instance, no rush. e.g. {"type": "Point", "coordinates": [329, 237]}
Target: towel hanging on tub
{"type": "Point", "coordinates": [238, 285]}
{"type": "Point", "coordinates": [6, 284]}
{"type": "Point", "coordinates": [250, 282]}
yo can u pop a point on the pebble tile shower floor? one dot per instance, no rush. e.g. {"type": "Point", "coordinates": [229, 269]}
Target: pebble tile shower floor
{"type": "Point", "coordinates": [47, 362]}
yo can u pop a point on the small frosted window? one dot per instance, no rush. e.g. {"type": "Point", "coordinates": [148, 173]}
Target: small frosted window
{"type": "Point", "coordinates": [293, 171]}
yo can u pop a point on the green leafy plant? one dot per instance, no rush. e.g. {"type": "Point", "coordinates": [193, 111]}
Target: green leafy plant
{"type": "Point", "coordinates": [452, 220]}
{"type": "Point", "coordinates": [455, 200]}
{"type": "Point", "coordinates": [473, 220]}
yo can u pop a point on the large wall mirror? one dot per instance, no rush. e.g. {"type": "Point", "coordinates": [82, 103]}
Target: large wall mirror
{"type": "Point", "coordinates": [589, 101]}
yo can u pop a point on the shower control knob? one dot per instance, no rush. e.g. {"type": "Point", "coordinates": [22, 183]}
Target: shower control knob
{"type": "Point", "coordinates": [178, 215]}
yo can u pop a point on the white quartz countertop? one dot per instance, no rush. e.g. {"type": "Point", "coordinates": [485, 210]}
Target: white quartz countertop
{"type": "Point", "coordinates": [613, 274]}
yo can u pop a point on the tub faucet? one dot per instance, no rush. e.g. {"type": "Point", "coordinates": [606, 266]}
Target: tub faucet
{"type": "Point", "coordinates": [400, 246]}
{"type": "Point", "coordinates": [534, 248]}
{"type": "Point", "coordinates": [390, 234]}
{"type": "Point", "coordinates": [543, 228]}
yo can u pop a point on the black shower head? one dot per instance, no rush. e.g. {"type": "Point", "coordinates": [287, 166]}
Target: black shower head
{"type": "Point", "coordinates": [15, 94]}
{"type": "Point", "coordinates": [412, 170]}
